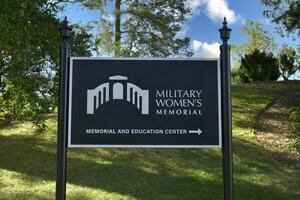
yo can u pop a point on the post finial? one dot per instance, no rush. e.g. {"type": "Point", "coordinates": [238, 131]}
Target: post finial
{"type": "Point", "coordinates": [224, 22]}
{"type": "Point", "coordinates": [65, 30]}
{"type": "Point", "coordinates": [225, 31]}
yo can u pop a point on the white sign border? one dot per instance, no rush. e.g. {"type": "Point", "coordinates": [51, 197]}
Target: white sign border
{"type": "Point", "coordinates": [70, 87]}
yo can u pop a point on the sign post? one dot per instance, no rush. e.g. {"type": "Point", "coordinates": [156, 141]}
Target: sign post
{"type": "Point", "coordinates": [61, 165]}
{"type": "Point", "coordinates": [226, 112]}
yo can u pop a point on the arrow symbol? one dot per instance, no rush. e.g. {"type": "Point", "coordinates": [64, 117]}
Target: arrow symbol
{"type": "Point", "coordinates": [198, 131]}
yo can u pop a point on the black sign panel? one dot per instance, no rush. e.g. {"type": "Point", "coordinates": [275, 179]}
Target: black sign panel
{"type": "Point", "coordinates": [144, 103]}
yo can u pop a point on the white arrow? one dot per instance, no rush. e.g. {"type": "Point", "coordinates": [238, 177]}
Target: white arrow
{"type": "Point", "coordinates": [198, 131]}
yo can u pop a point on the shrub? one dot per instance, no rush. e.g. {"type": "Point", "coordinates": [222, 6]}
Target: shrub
{"type": "Point", "coordinates": [259, 66]}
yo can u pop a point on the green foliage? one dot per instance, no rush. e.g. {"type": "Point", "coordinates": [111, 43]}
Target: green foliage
{"type": "Point", "coordinates": [259, 66]}
{"type": "Point", "coordinates": [94, 4]}
{"type": "Point", "coordinates": [294, 126]}
{"type": "Point", "coordinates": [29, 57]}
{"type": "Point", "coordinates": [287, 61]}
{"type": "Point", "coordinates": [294, 117]}
{"type": "Point", "coordinates": [284, 12]}
{"type": "Point", "coordinates": [258, 38]}
{"type": "Point", "coordinates": [104, 40]}
{"type": "Point", "coordinates": [142, 28]}
{"type": "Point", "coordinates": [235, 75]}
{"type": "Point", "coordinates": [28, 50]}
{"type": "Point", "coordinates": [81, 41]}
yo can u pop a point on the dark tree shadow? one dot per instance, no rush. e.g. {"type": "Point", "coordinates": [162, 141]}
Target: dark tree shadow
{"type": "Point", "coordinates": [33, 157]}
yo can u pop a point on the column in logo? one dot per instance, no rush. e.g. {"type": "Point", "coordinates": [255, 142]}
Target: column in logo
{"type": "Point", "coordinates": [138, 97]}
{"type": "Point", "coordinates": [97, 96]}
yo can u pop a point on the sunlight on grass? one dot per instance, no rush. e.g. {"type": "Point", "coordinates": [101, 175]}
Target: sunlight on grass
{"type": "Point", "coordinates": [21, 186]}
{"type": "Point", "coordinates": [28, 160]}
{"type": "Point", "coordinates": [86, 193]}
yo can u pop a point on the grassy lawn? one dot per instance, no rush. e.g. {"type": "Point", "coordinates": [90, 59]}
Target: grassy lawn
{"type": "Point", "coordinates": [28, 160]}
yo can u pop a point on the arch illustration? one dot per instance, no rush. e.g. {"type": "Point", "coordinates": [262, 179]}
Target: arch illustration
{"type": "Point", "coordinates": [119, 88]}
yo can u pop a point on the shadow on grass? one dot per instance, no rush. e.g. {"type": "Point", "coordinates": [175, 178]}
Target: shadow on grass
{"type": "Point", "coordinates": [26, 155]}
{"type": "Point", "coordinates": [273, 180]}
{"type": "Point", "coordinates": [168, 174]}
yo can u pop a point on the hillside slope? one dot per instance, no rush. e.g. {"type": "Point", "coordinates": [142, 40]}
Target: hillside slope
{"type": "Point", "coordinates": [28, 159]}
{"type": "Point", "coordinates": [273, 128]}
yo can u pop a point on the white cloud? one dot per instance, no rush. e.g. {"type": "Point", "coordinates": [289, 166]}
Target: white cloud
{"type": "Point", "coordinates": [205, 50]}
{"type": "Point", "coordinates": [196, 44]}
{"type": "Point", "coordinates": [216, 10]}
{"type": "Point", "coordinates": [195, 4]}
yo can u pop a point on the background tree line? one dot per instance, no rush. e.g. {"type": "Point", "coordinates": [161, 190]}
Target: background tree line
{"type": "Point", "coordinates": [259, 59]}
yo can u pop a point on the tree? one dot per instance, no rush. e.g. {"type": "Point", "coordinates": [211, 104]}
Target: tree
{"type": "Point", "coordinates": [287, 61]}
{"type": "Point", "coordinates": [259, 66]}
{"type": "Point", "coordinates": [29, 56]}
{"type": "Point", "coordinates": [284, 12]}
{"type": "Point", "coordinates": [258, 38]}
{"type": "Point", "coordinates": [27, 50]}
{"type": "Point", "coordinates": [141, 28]}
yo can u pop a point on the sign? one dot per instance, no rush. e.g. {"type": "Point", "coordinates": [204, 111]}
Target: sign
{"type": "Point", "coordinates": [125, 102]}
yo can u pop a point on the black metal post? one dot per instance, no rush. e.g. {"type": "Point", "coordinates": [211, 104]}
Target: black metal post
{"type": "Point", "coordinates": [226, 112]}
{"type": "Point", "coordinates": [61, 165]}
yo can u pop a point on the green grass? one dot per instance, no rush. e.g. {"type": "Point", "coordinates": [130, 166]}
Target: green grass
{"type": "Point", "coordinates": [28, 160]}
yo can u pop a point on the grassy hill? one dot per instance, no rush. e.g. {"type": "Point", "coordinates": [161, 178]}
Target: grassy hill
{"type": "Point", "coordinates": [28, 163]}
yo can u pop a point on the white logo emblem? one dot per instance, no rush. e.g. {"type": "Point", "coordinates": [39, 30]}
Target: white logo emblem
{"type": "Point", "coordinates": [117, 88]}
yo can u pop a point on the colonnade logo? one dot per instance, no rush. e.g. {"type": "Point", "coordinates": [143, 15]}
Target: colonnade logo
{"type": "Point", "coordinates": [118, 88]}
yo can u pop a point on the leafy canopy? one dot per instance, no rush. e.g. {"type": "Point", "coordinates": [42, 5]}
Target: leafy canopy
{"type": "Point", "coordinates": [141, 28]}
{"type": "Point", "coordinates": [29, 56]}
{"type": "Point", "coordinates": [287, 61]}
{"type": "Point", "coordinates": [285, 13]}
{"type": "Point", "coordinates": [258, 38]}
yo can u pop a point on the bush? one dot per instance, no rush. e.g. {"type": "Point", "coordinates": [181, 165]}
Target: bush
{"type": "Point", "coordinates": [235, 75]}
{"type": "Point", "coordinates": [294, 126]}
{"type": "Point", "coordinates": [259, 66]}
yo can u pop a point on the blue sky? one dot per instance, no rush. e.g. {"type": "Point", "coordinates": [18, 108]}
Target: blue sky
{"type": "Point", "coordinates": [202, 27]}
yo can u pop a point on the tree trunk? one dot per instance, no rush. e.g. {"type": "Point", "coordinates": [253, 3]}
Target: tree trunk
{"type": "Point", "coordinates": [117, 43]}
{"type": "Point", "coordinates": [285, 76]}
